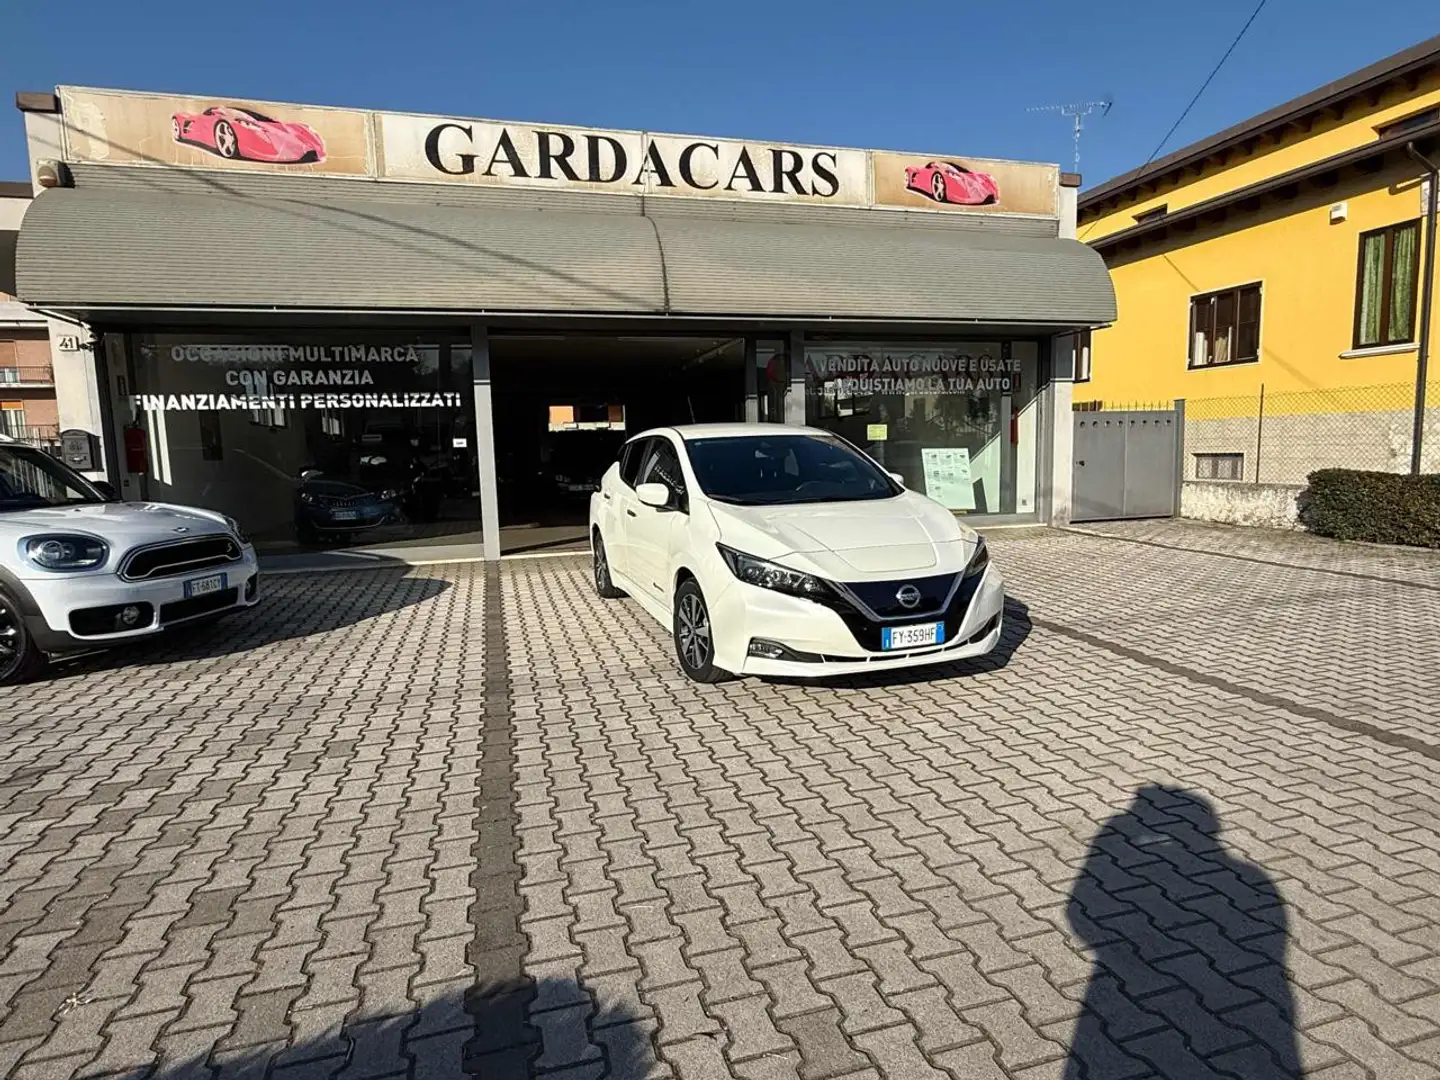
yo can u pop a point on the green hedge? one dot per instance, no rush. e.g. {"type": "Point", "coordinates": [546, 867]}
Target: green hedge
{"type": "Point", "coordinates": [1376, 507]}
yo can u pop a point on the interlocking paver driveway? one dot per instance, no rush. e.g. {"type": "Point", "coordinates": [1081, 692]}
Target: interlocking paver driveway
{"type": "Point", "coordinates": [453, 821]}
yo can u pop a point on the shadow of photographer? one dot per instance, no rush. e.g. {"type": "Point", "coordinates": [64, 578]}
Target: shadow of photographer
{"type": "Point", "coordinates": [1189, 944]}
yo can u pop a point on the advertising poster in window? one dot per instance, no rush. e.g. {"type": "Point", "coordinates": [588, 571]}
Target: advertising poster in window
{"type": "Point", "coordinates": [947, 477]}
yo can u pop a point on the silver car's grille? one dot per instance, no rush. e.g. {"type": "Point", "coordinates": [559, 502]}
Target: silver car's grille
{"type": "Point", "coordinates": [180, 557]}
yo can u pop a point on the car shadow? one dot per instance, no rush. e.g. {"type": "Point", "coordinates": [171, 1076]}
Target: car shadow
{"type": "Point", "coordinates": [541, 1026]}
{"type": "Point", "coordinates": [1189, 951]}
{"type": "Point", "coordinates": [1016, 629]}
{"type": "Point", "coordinates": [291, 607]}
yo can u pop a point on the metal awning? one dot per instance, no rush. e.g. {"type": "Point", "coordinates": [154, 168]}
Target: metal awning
{"type": "Point", "coordinates": [109, 247]}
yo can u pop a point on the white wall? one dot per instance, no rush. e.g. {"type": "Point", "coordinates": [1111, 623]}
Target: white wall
{"type": "Point", "coordinates": [77, 395]}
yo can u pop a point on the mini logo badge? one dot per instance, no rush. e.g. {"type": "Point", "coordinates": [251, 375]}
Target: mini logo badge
{"type": "Point", "coordinates": [182, 528]}
{"type": "Point", "coordinates": [909, 596]}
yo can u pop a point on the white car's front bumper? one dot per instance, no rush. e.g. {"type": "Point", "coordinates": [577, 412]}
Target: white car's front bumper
{"type": "Point", "coordinates": [743, 613]}
{"type": "Point", "coordinates": [68, 611]}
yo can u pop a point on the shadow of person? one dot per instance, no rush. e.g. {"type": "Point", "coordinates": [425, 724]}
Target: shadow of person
{"type": "Point", "coordinates": [539, 1027]}
{"type": "Point", "coordinates": [1189, 951]}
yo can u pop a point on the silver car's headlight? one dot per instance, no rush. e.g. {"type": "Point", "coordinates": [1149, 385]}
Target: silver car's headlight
{"type": "Point", "coordinates": [62, 552]}
{"type": "Point", "coordinates": [769, 575]}
{"type": "Point", "coordinates": [980, 560]}
{"type": "Point", "coordinates": [235, 527]}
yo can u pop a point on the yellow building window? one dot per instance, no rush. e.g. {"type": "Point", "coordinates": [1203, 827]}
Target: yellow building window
{"type": "Point", "coordinates": [1225, 327]}
{"type": "Point", "coordinates": [1386, 285]}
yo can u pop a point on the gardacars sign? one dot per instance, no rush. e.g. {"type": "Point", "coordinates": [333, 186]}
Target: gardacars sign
{"type": "Point", "coordinates": [124, 128]}
{"type": "Point", "coordinates": [480, 152]}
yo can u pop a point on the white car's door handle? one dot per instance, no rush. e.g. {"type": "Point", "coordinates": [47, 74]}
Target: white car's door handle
{"type": "Point", "coordinates": [630, 512]}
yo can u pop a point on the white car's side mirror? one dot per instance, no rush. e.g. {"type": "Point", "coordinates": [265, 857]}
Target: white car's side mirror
{"type": "Point", "coordinates": [656, 495]}
{"type": "Point", "coordinates": [897, 478]}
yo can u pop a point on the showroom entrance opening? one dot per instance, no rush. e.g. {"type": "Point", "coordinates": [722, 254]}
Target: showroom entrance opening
{"type": "Point", "coordinates": [565, 403]}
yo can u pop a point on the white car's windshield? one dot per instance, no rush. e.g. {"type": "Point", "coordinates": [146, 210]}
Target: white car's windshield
{"type": "Point", "coordinates": [770, 470]}
{"type": "Point", "coordinates": [31, 478]}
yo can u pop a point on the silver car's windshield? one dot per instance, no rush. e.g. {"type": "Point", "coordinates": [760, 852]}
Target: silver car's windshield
{"type": "Point", "coordinates": [31, 478]}
{"type": "Point", "coordinates": [773, 470]}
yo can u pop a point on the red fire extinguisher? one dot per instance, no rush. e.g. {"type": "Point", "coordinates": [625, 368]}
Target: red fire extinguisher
{"type": "Point", "coordinates": [137, 451]}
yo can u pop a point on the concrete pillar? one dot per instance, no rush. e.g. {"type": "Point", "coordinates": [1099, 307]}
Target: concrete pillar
{"type": "Point", "coordinates": [795, 394]}
{"type": "Point", "coordinates": [485, 442]}
{"type": "Point", "coordinates": [1057, 470]}
{"type": "Point", "coordinates": [1068, 204]}
{"type": "Point", "coordinates": [752, 383]}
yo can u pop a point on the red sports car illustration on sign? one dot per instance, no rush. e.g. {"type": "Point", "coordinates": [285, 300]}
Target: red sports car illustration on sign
{"type": "Point", "coordinates": [947, 182]}
{"type": "Point", "coordinates": [246, 135]}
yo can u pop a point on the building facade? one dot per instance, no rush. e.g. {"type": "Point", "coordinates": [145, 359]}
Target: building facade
{"type": "Point", "coordinates": [350, 327]}
{"type": "Point", "coordinates": [1271, 276]}
{"type": "Point", "coordinates": [27, 378]}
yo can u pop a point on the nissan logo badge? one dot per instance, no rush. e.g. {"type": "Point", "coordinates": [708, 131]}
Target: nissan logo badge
{"type": "Point", "coordinates": [909, 596]}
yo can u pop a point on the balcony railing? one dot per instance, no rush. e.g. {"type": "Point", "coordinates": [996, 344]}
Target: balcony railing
{"type": "Point", "coordinates": [31, 375]}
{"type": "Point", "coordinates": [45, 436]}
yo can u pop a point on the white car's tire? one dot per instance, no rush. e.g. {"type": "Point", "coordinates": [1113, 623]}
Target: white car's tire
{"type": "Point", "coordinates": [604, 587]}
{"type": "Point", "coordinates": [20, 658]}
{"type": "Point", "coordinates": [695, 635]}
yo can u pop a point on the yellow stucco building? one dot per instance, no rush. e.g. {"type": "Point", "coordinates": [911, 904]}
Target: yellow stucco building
{"type": "Point", "coordinates": [1286, 253]}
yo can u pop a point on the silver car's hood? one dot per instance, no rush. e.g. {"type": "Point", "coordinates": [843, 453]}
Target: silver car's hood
{"type": "Point", "coordinates": [905, 535]}
{"type": "Point", "coordinates": [122, 525]}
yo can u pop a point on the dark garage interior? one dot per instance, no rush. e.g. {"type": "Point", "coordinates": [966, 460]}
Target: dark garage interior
{"type": "Point", "coordinates": [565, 403]}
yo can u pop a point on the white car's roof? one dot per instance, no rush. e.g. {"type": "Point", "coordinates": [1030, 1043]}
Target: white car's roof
{"type": "Point", "coordinates": [730, 431]}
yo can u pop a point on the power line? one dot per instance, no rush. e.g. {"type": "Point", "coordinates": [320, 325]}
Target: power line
{"type": "Point", "coordinates": [1198, 93]}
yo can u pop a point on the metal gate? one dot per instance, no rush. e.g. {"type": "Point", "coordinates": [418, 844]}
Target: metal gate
{"type": "Point", "coordinates": [1126, 464]}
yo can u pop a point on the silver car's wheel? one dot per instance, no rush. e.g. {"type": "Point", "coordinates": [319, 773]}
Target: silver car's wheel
{"type": "Point", "coordinates": [227, 143]}
{"type": "Point", "coordinates": [20, 658]}
{"type": "Point", "coordinates": [694, 635]}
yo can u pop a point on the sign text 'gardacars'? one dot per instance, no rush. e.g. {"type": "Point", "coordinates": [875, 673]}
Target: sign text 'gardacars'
{"type": "Point", "coordinates": [457, 149]}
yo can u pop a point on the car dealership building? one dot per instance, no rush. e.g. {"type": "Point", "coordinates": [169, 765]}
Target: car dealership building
{"type": "Point", "coordinates": [347, 327]}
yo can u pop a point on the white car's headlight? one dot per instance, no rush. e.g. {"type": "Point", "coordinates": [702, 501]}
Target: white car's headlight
{"type": "Point", "coordinates": [63, 552]}
{"type": "Point", "coordinates": [980, 560]}
{"type": "Point", "coordinates": [769, 575]}
{"type": "Point", "coordinates": [235, 527]}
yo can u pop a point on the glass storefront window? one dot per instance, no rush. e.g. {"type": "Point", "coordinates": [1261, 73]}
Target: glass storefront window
{"type": "Point", "coordinates": [958, 420]}
{"type": "Point", "coordinates": [306, 439]}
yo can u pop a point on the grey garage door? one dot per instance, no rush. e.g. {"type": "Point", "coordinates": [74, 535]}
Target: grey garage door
{"type": "Point", "coordinates": [1125, 465]}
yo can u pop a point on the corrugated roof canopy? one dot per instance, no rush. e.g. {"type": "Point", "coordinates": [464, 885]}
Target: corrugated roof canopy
{"type": "Point", "coordinates": [99, 247]}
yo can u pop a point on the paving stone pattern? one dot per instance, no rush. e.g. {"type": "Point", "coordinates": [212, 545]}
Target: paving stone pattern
{"type": "Point", "coordinates": [455, 822]}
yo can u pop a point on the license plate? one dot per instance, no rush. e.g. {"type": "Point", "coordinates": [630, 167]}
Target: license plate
{"type": "Point", "coordinates": [205, 586]}
{"type": "Point", "coordinates": [912, 637]}
{"type": "Point", "coordinates": [345, 515]}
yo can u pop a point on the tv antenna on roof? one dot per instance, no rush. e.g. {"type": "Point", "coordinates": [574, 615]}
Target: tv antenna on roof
{"type": "Point", "coordinates": [1077, 111]}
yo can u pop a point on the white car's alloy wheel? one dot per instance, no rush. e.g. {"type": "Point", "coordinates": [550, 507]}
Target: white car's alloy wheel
{"type": "Point", "coordinates": [694, 635]}
{"type": "Point", "coordinates": [694, 631]}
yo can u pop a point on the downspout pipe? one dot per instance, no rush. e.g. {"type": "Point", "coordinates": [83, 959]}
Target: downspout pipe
{"type": "Point", "coordinates": [1422, 361]}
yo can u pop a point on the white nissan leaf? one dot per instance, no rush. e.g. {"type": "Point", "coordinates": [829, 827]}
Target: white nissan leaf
{"type": "Point", "coordinates": [784, 551]}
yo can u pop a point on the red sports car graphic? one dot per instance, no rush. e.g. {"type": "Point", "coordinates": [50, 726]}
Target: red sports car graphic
{"type": "Point", "coordinates": [246, 135]}
{"type": "Point", "coordinates": [947, 182]}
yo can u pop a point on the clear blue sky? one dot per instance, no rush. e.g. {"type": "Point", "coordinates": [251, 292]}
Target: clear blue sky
{"type": "Point", "coordinates": [929, 77]}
